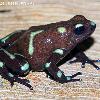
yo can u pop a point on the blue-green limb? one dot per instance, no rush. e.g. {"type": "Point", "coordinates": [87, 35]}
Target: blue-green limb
{"type": "Point", "coordinates": [11, 69]}
{"type": "Point", "coordinates": [55, 73]}
{"type": "Point", "coordinates": [6, 74]}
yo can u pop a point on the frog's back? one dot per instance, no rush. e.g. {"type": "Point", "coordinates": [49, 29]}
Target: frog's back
{"type": "Point", "coordinates": [38, 46]}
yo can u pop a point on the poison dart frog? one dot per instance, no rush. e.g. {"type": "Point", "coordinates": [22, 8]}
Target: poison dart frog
{"type": "Point", "coordinates": [40, 48]}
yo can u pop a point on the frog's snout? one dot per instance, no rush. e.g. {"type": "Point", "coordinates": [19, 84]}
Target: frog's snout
{"type": "Point", "coordinates": [93, 25]}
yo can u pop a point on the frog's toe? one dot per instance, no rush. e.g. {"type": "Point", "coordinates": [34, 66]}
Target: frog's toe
{"type": "Point", "coordinates": [24, 82]}
{"type": "Point", "coordinates": [98, 68]}
{"type": "Point", "coordinates": [11, 83]}
{"type": "Point", "coordinates": [73, 61]}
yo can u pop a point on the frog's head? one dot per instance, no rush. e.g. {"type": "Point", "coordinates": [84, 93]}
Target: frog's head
{"type": "Point", "coordinates": [81, 28]}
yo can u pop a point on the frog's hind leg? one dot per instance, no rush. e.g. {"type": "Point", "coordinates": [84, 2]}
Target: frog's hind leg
{"type": "Point", "coordinates": [11, 38]}
{"type": "Point", "coordinates": [6, 74]}
{"type": "Point", "coordinates": [9, 64]}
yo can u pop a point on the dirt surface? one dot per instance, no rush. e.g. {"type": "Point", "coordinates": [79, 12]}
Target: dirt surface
{"type": "Point", "coordinates": [16, 17]}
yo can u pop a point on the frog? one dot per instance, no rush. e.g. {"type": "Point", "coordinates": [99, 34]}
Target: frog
{"type": "Point", "coordinates": [40, 48]}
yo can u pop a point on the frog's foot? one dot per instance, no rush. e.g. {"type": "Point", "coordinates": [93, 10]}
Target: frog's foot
{"type": "Point", "coordinates": [71, 78]}
{"type": "Point", "coordinates": [68, 78]}
{"type": "Point", "coordinates": [24, 82]}
{"type": "Point", "coordinates": [12, 78]}
{"type": "Point", "coordinates": [81, 57]}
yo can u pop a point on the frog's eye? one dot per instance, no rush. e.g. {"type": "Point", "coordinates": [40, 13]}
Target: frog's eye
{"type": "Point", "coordinates": [79, 29]}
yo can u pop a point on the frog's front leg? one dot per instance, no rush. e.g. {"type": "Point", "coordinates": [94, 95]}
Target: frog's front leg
{"type": "Point", "coordinates": [11, 38]}
{"type": "Point", "coordinates": [81, 57]}
{"type": "Point", "coordinates": [54, 71]}
{"type": "Point", "coordinates": [11, 67]}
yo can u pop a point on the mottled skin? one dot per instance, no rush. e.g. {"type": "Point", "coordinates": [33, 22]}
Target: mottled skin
{"type": "Point", "coordinates": [40, 48]}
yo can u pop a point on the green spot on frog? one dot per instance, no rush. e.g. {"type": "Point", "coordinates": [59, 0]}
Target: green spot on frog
{"type": "Point", "coordinates": [61, 29]}
{"type": "Point", "coordinates": [9, 54]}
{"type": "Point", "coordinates": [59, 51]}
{"type": "Point", "coordinates": [59, 74]}
{"type": "Point", "coordinates": [68, 78]}
{"type": "Point", "coordinates": [11, 75]}
{"type": "Point", "coordinates": [47, 65]}
{"type": "Point", "coordinates": [32, 35]}
{"type": "Point", "coordinates": [6, 38]}
{"type": "Point", "coordinates": [1, 64]}
{"type": "Point", "coordinates": [25, 67]}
